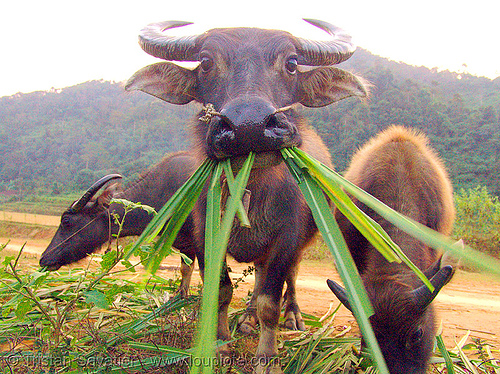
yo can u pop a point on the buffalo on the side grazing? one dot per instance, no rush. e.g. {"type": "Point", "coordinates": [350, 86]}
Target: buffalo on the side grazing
{"type": "Point", "coordinates": [88, 222]}
{"type": "Point", "coordinates": [251, 78]}
{"type": "Point", "coordinates": [399, 168]}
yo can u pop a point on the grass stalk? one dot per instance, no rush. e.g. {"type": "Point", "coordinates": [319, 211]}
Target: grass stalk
{"type": "Point", "coordinates": [217, 233]}
{"type": "Point", "coordinates": [446, 355]}
{"type": "Point", "coordinates": [333, 238]}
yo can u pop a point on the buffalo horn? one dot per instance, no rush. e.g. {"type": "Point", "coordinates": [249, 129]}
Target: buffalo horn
{"type": "Point", "coordinates": [322, 53]}
{"type": "Point", "coordinates": [423, 296]}
{"type": "Point", "coordinates": [340, 292]}
{"type": "Point", "coordinates": [155, 42]}
{"type": "Point", "coordinates": [178, 48]}
{"type": "Point", "coordinates": [89, 194]}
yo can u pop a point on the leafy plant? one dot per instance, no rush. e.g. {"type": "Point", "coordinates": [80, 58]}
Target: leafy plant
{"type": "Point", "coordinates": [478, 220]}
{"type": "Point", "coordinates": [55, 320]}
{"type": "Point", "coordinates": [479, 360]}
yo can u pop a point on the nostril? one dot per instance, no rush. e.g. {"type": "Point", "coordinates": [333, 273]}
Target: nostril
{"type": "Point", "coordinates": [272, 122]}
{"type": "Point", "coordinates": [225, 124]}
{"type": "Point", "coordinates": [276, 128]}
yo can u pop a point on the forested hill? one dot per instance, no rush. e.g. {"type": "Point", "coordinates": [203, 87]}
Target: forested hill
{"type": "Point", "coordinates": [71, 137]}
{"type": "Point", "coordinates": [67, 138]}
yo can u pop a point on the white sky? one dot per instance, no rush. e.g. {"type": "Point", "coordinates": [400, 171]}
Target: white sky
{"type": "Point", "coordinates": [55, 43]}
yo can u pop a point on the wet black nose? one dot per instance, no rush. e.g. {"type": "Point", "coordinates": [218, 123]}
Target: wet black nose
{"type": "Point", "coordinates": [250, 125]}
{"type": "Point", "coordinates": [247, 113]}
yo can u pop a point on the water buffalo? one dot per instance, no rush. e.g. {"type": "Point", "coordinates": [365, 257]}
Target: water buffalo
{"type": "Point", "coordinates": [88, 223]}
{"type": "Point", "coordinates": [252, 78]}
{"type": "Point", "coordinates": [400, 169]}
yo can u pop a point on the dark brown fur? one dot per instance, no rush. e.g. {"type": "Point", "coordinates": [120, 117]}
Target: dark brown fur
{"type": "Point", "coordinates": [245, 74]}
{"type": "Point", "coordinates": [83, 232]}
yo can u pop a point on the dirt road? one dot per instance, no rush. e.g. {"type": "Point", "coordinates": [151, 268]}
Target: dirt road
{"type": "Point", "coordinates": [469, 302]}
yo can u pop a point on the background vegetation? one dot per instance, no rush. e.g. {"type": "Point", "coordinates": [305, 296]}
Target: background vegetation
{"type": "Point", "coordinates": [60, 141]}
{"type": "Point", "coordinates": [57, 143]}
{"type": "Point", "coordinates": [64, 139]}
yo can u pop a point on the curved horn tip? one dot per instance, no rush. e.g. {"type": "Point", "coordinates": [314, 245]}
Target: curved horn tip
{"type": "Point", "coordinates": [106, 178]}
{"type": "Point", "coordinates": [340, 292]}
{"type": "Point", "coordinates": [447, 272]}
{"type": "Point", "coordinates": [325, 26]}
{"type": "Point", "coordinates": [155, 42]}
{"type": "Point", "coordinates": [335, 287]}
{"type": "Point", "coordinates": [441, 277]}
{"type": "Point", "coordinates": [79, 204]}
{"type": "Point", "coordinates": [328, 52]}
{"type": "Point", "coordinates": [423, 296]}
{"type": "Point", "coordinates": [166, 25]}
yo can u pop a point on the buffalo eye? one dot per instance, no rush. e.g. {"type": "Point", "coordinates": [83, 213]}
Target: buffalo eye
{"type": "Point", "coordinates": [415, 337]}
{"type": "Point", "coordinates": [291, 65]}
{"type": "Point", "coordinates": [65, 221]}
{"type": "Point", "coordinates": [206, 64]}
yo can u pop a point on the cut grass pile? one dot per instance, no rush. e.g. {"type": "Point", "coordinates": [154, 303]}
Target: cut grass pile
{"type": "Point", "coordinates": [128, 322]}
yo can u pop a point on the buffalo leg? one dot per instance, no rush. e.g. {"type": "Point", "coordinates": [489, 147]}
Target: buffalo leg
{"type": "Point", "coordinates": [186, 245]}
{"type": "Point", "coordinates": [293, 317]}
{"type": "Point", "coordinates": [268, 312]}
{"type": "Point", "coordinates": [225, 296]}
{"type": "Point", "coordinates": [248, 321]}
{"type": "Point", "coordinates": [269, 303]}
{"type": "Point", "coordinates": [186, 274]}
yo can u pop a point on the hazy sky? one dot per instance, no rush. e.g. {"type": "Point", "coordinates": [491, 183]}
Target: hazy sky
{"type": "Point", "coordinates": [52, 43]}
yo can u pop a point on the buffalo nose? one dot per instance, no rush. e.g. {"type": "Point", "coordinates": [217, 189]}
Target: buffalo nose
{"type": "Point", "coordinates": [243, 114]}
{"type": "Point", "coordinates": [249, 125]}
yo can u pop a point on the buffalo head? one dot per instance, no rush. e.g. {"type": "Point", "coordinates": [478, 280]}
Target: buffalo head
{"type": "Point", "coordinates": [251, 78]}
{"type": "Point", "coordinates": [403, 322]}
{"type": "Point", "coordinates": [84, 227]}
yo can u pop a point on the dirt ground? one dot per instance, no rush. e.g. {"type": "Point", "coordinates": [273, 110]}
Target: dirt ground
{"type": "Point", "coordinates": [470, 302]}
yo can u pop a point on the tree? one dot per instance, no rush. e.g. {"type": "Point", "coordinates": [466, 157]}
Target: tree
{"type": "Point", "coordinates": [478, 220]}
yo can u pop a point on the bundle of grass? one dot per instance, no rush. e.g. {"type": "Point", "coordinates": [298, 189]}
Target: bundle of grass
{"type": "Point", "coordinates": [317, 182]}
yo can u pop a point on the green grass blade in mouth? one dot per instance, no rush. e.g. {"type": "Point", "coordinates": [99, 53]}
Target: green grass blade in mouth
{"type": "Point", "coordinates": [217, 233]}
{"type": "Point", "coordinates": [175, 211]}
{"type": "Point", "coordinates": [417, 230]}
{"type": "Point", "coordinates": [331, 181]}
{"type": "Point", "coordinates": [332, 236]}
{"type": "Point", "coordinates": [366, 225]}
{"type": "Point", "coordinates": [242, 214]}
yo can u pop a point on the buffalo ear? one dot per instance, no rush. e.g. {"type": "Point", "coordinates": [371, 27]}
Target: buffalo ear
{"type": "Point", "coordinates": [447, 259]}
{"type": "Point", "coordinates": [109, 192]}
{"type": "Point", "coordinates": [166, 81]}
{"type": "Point", "coordinates": [104, 199]}
{"type": "Point", "coordinates": [452, 259]}
{"type": "Point", "coordinates": [325, 85]}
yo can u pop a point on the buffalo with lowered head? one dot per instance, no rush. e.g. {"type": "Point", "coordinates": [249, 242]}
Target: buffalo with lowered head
{"type": "Point", "coordinates": [400, 169]}
{"type": "Point", "coordinates": [252, 78]}
{"type": "Point", "coordinates": [88, 222]}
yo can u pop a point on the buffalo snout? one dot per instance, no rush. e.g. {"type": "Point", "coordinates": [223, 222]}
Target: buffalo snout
{"type": "Point", "coordinates": [250, 125]}
{"type": "Point", "coordinates": [49, 262]}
